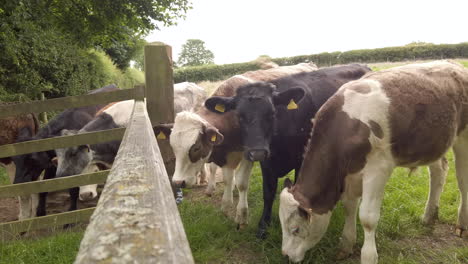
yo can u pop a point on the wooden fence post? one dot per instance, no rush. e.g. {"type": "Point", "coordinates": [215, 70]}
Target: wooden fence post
{"type": "Point", "coordinates": [43, 115]}
{"type": "Point", "coordinates": [160, 94]}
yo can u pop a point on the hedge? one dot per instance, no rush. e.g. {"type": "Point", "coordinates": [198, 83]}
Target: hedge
{"type": "Point", "coordinates": [390, 54]}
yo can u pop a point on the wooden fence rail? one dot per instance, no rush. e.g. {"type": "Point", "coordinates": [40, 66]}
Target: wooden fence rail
{"type": "Point", "coordinates": [136, 219]}
{"type": "Point", "coordinates": [69, 102]}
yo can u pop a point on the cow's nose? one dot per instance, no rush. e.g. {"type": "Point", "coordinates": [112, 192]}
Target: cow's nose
{"type": "Point", "coordinates": [257, 154]}
{"type": "Point", "coordinates": [179, 184]}
{"type": "Point", "coordinates": [284, 253]}
{"type": "Point", "coordinates": [86, 196]}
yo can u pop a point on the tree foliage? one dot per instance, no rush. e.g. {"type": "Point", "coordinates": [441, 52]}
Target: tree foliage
{"type": "Point", "coordinates": [195, 53]}
{"type": "Point", "coordinates": [46, 45]}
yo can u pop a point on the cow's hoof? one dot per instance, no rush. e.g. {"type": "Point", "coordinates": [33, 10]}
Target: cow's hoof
{"type": "Point", "coordinates": [262, 233]}
{"type": "Point", "coordinates": [431, 217]}
{"type": "Point", "coordinates": [241, 227]}
{"type": "Point", "coordinates": [342, 254]}
{"type": "Point", "coordinates": [461, 232]}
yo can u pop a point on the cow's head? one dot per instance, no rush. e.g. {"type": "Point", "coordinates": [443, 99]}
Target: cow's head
{"type": "Point", "coordinates": [73, 160]}
{"type": "Point", "coordinates": [30, 166]}
{"type": "Point", "coordinates": [192, 140]}
{"type": "Point", "coordinates": [302, 228]}
{"type": "Point", "coordinates": [256, 105]}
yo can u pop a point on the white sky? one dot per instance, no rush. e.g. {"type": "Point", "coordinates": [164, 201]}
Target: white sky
{"type": "Point", "coordinates": [241, 30]}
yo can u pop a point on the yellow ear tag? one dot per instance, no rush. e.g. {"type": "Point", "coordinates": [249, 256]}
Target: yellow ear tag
{"type": "Point", "coordinates": [161, 135]}
{"type": "Point", "coordinates": [292, 105]}
{"type": "Point", "coordinates": [220, 108]}
{"type": "Point", "coordinates": [213, 138]}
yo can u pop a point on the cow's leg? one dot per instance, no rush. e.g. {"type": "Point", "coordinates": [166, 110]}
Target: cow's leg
{"type": "Point", "coordinates": [242, 183]}
{"type": "Point", "coordinates": [202, 175]}
{"type": "Point", "coordinates": [24, 201]}
{"type": "Point", "coordinates": [270, 184]}
{"type": "Point", "coordinates": [353, 191]}
{"type": "Point", "coordinates": [211, 179]}
{"type": "Point", "coordinates": [41, 208]}
{"type": "Point", "coordinates": [74, 193]}
{"type": "Point", "coordinates": [438, 171]}
{"type": "Point", "coordinates": [376, 174]}
{"type": "Point", "coordinates": [461, 165]}
{"type": "Point", "coordinates": [226, 202]}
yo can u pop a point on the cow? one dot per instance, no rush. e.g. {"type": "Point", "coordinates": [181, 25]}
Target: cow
{"type": "Point", "coordinates": [9, 133]}
{"type": "Point", "coordinates": [205, 136]}
{"type": "Point", "coordinates": [96, 157]}
{"type": "Point", "coordinates": [406, 116]}
{"type": "Point", "coordinates": [275, 122]}
{"type": "Point", "coordinates": [30, 166]}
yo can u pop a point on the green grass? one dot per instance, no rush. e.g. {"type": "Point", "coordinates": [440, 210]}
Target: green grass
{"type": "Point", "coordinates": [401, 238]}
{"type": "Point", "coordinates": [3, 177]}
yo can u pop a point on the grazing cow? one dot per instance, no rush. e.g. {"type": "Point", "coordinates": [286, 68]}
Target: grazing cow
{"type": "Point", "coordinates": [406, 116]}
{"type": "Point", "coordinates": [205, 136]}
{"type": "Point", "coordinates": [30, 166]}
{"type": "Point", "coordinates": [275, 121]}
{"type": "Point", "coordinates": [92, 158]}
{"type": "Point", "coordinates": [9, 132]}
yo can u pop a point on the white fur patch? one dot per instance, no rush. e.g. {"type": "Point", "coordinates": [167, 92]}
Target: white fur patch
{"type": "Point", "coordinates": [121, 112]}
{"type": "Point", "coordinates": [369, 106]}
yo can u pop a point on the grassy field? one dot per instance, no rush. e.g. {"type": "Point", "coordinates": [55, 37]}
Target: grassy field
{"type": "Point", "coordinates": [401, 238]}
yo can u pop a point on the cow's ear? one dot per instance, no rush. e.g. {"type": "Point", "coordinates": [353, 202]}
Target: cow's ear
{"type": "Point", "coordinates": [163, 131]}
{"type": "Point", "coordinates": [213, 136]}
{"type": "Point", "coordinates": [220, 105]}
{"type": "Point", "coordinates": [287, 183]}
{"type": "Point", "coordinates": [305, 213]}
{"type": "Point", "coordinates": [290, 97]}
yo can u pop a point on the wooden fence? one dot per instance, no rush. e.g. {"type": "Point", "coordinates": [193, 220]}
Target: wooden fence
{"type": "Point", "coordinates": [136, 216]}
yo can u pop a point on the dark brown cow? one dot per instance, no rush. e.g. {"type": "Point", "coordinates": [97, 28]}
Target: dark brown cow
{"type": "Point", "coordinates": [406, 116]}
{"type": "Point", "coordinates": [9, 131]}
{"type": "Point", "coordinates": [205, 136]}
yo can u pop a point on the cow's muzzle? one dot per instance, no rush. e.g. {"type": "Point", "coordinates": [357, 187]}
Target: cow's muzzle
{"type": "Point", "coordinates": [256, 154]}
{"type": "Point", "coordinates": [179, 184]}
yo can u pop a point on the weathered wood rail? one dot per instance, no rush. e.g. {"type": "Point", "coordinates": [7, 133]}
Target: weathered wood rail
{"type": "Point", "coordinates": [136, 219]}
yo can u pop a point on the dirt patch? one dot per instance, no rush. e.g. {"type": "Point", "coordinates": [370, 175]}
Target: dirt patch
{"type": "Point", "coordinates": [57, 202]}
{"type": "Point", "coordinates": [442, 237]}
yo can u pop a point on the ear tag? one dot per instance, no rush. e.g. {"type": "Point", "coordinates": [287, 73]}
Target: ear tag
{"type": "Point", "coordinates": [292, 105]}
{"type": "Point", "coordinates": [213, 138]}
{"type": "Point", "coordinates": [161, 135]}
{"type": "Point", "coordinates": [220, 108]}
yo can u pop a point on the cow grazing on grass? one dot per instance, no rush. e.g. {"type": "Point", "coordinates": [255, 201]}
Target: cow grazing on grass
{"type": "Point", "coordinates": [406, 116]}
{"type": "Point", "coordinates": [93, 158]}
{"type": "Point", "coordinates": [205, 136]}
{"type": "Point", "coordinates": [30, 166]}
{"type": "Point", "coordinates": [275, 121]}
{"type": "Point", "coordinates": [9, 133]}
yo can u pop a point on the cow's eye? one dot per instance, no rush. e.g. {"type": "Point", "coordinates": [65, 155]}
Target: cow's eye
{"type": "Point", "coordinates": [295, 231]}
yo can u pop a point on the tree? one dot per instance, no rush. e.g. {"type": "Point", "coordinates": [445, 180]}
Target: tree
{"type": "Point", "coordinates": [194, 53]}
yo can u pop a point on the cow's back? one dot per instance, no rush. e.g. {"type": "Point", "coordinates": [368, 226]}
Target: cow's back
{"type": "Point", "coordinates": [426, 106]}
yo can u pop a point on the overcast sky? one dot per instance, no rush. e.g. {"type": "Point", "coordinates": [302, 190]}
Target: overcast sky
{"type": "Point", "coordinates": [241, 30]}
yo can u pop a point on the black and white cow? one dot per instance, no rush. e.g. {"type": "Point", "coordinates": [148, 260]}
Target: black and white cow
{"type": "Point", "coordinates": [93, 158]}
{"type": "Point", "coordinates": [405, 116]}
{"type": "Point", "coordinates": [275, 122]}
{"type": "Point", "coordinates": [30, 166]}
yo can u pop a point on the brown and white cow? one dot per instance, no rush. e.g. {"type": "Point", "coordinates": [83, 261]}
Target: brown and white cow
{"type": "Point", "coordinates": [406, 116]}
{"type": "Point", "coordinates": [204, 136]}
{"type": "Point", "coordinates": [10, 128]}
